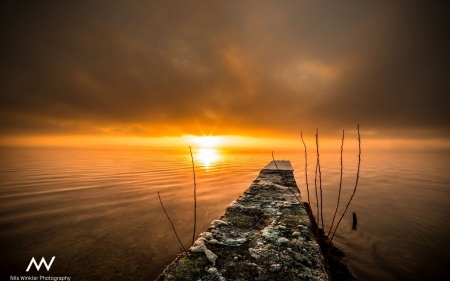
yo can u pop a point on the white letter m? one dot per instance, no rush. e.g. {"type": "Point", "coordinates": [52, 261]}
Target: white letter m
{"type": "Point", "coordinates": [38, 266]}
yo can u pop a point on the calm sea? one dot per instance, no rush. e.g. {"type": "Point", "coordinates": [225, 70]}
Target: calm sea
{"type": "Point", "coordinates": [97, 210]}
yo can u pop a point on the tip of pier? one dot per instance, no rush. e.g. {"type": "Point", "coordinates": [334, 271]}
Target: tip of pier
{"type": "Point", "coordinates": [282, 165]}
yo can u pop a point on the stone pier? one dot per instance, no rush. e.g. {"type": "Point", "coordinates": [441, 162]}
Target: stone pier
{"type": "Point", "coordinates": [264, 235]}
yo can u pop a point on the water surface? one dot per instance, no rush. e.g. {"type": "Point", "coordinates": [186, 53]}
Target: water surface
{"type": "Point", "coordinates": [98, 212]}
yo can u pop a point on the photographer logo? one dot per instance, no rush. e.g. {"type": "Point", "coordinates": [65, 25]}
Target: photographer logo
{"type": "Point", "coordinates": [38, 266]}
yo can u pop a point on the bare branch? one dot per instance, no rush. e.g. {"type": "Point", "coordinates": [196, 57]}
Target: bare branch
{"type": "Point", "coordinates": [176, 234]}
{"type": "Point", "coordinates": [340, 186]}
{"type": "Point", "coordinates": [195, 197]}
{"type": "Point", "coordinates": [285, 182]}
{"type": "Point", "coordinates": [320, 180]}
{"type": "Point", "coordinates": [354, 190]}
{"type": "Point", "coordinates": [317, 197]}
{"type": "Point", "coordinates": [306, 168]}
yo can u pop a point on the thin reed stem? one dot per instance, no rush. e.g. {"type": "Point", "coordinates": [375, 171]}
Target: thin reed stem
{"type": "Point", "coordinates": [354, 190]}
{"type": "Point", "coordinates": [320, 180]}
{"type": "Point", "coordinates": [195, 197]}
{"type": "Point", "coordinates": [287, 185]}
{"type": "Point", "coordinates": [340, 186]}
{"type": "Point", "coordinates": [306, 168]}
{"type": "Point", "coordinates": [176, 234]}
{"type": "Point", "coordinates": [317, 197]}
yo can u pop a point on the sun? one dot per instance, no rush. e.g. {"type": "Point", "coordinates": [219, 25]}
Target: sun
{"type": "Point", "coordinates": [207, 141]}
{"type": "Point", "coordinates": [206, 149]}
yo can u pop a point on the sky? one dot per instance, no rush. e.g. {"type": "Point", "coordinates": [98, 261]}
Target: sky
{"type": "Point", "coordinates": [146, 69]}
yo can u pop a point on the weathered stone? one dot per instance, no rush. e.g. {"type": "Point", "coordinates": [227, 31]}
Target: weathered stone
{"type": "Point", "coordinates": [264, 235]}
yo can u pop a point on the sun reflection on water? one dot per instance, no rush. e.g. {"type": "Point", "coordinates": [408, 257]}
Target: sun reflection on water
{"type": "Point", "coordinates": [208, 156]}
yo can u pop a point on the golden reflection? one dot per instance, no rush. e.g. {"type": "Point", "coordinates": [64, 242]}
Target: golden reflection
{"type": "Point", "coordinates": [208, 156]}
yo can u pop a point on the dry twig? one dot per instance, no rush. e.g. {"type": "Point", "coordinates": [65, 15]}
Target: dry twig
{"type": "Point", "coordinates": [285, 182]}
{"type": "Point", "coordinates": [354, 190]}
{"type": "Point", "coordinates": [306, 168]}
{"type": "Point", "coordinates": [176, 234]}
{"type": "Point", "coordinates": [317, 197]}
{"type": "Point", "coordinates": [340, 186]}
{"type": "Point", "coordinates": [195, 197]}
{"type": "Point", "coordinates": [320, 178]}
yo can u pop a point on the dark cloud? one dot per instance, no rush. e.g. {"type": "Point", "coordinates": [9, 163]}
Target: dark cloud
{"type": "Point", "coordinates": [238, 67]}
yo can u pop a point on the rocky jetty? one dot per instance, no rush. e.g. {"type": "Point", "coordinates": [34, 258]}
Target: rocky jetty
{"type": "Point", "coordinates": [264, 235]}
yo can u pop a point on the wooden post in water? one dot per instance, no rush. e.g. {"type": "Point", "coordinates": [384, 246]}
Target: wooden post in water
{"type": "Point", "coordinates": [355, 221]}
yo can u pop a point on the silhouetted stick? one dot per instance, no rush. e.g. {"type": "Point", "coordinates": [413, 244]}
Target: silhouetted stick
{"type": "Point", "coordinates": [320, 180]}
{"type": "Point", "coordinates": [354, 190]}
{"type": "Point", "coordinates": [355, 221]}
{"type": "Point", "coordinates": [195, 197]}
{"type": "Point", "coordinates": [340, 186]}
{"type": "Point", "coordinates": [287, 185]}
{"type": "Point", "coordinates": [317, 197]}
{"type": "Point", "coordinates": [176, 234]}
{"type": "Point", "coordinates": [306, 168]}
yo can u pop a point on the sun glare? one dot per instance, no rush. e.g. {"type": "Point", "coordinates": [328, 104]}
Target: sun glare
{"type": "Point", "coordinates": [207, 141]}
{"type": "Point", "coordinates": [207, 151]}
{"type": "Point", "coordinates": [208, 156]}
